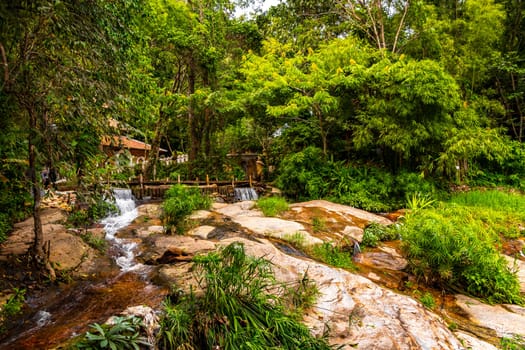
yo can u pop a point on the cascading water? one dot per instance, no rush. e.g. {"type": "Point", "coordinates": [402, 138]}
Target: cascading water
{"type": "Point", "coordinates": [245, 194]}
{"type": "Point", "coordinates": [66, 310]}
{"type": "Point", "coordinates": [125, 202]}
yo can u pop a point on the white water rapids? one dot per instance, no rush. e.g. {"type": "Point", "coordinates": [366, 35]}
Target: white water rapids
{"type": "Point", "coordinates": [125, 202]}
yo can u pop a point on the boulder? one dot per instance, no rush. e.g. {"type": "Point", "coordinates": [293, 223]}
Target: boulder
{"type": "Point", "coordinates": [200, 215]}
{"type": "Point", "coordinates": [238, 209]}
{"type": "Point", "coordinates": [382, 258]}
{"type": "Point", "coordinates": [201, 231]}
{"type": "Point", "coordinates": [473, 343]}
{"type": "Point", "coordinates": [503, 320]}
{"type": "Point", "coordinates": [344, 210]}
{"type": "Point", "coordinates": [153, 210]}
{"type": "Point", "coordinates": [276, 228]}
{"type": "Point", "coordinates": [354, 233]}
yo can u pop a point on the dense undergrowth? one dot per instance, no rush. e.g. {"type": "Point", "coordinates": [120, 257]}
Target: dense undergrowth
{"type": "Point", "coordinates": [455, 244]}
{"type": "Point", "coordinates": [179, 202]}
{"type": "Point", "coordinates": [308, 175]}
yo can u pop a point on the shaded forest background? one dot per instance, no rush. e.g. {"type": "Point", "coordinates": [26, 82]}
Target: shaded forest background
{"type": "Point", "coordinates": [360, 101]}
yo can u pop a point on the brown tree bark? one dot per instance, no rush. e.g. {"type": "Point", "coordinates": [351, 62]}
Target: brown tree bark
{"type": "Point", "coordinates": [37, 251]}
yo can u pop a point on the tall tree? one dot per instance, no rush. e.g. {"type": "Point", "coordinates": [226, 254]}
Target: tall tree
{"type": "Point", "coordinates": [55, 57]}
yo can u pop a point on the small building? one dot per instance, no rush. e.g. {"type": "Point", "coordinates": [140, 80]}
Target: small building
{"type": "Point", "coordinates": [138, 150]}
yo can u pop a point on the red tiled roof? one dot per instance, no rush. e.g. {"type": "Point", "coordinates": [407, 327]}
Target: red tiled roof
{"type": "Point", "coordinates": [126, 142]}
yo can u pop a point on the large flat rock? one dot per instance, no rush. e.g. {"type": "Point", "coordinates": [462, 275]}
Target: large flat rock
{"type": "Point", "coordinates": [360, 314]}
{"type": "Point", "coordinates": [276, 228]}
{"type": "Point", "coordinates": [344, 210]}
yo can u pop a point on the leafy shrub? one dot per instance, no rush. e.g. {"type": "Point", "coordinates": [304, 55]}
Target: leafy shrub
{"type": "Point", "coordinates": [79, 218]}
{"type": "Point", "coordinates": [516, 342]}
{"type": "Point", "coordinates": [237, 309]}
{"type": "Point", "coordinates": [296, 239]}
{"type": "Point", "coordinates": [447, 246]}
{"type": "Point", "coordinates": [375, 233]}
{"type": "Point", "coordinates": [309, 175]}
{"type": "Point", "coordinates": [272, 206]}
{"type": "Point", "coordinates": [14, 304]}
{"type": "Point", "coordinates": [428, 300]}
{"type": "Point", "coordinates": [301, 296]}
{"type": "Point", "coordinates": [85, 217]}
{"type": "Point", "coordinates": [333, 255]}
{"type": "Point", "coordinates": [180, 201]}
{"type": "Point", "coordinates": [125, 333]}
{"type": "Point", "coordinates": [318, 224]}
{"type": "Point", "coordinates": [101, 209]}
{"type": "Point", "coordinates": [302, 175]}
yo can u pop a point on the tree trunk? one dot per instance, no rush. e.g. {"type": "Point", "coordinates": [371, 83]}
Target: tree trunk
{"type": "Point", "coordinates": [193, 138]}
{"type": "Point", "coordinates": [39, 255]}
{"type": "Point", "coordinates": [155, 144]}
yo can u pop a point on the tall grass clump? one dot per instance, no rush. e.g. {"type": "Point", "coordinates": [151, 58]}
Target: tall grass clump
{"type": "Point", "coordinates": [179, 202]}
{"type": "Point", "coordinates": [272, 206]}
{"type": "Point", "coordinates": [332, 255]}
{"type": "Point", "coordinates": [501, 212]}
{"type": "Point", "coordinates": [450, 247]}
{"type": "Point", "coordinates": [238, 308]}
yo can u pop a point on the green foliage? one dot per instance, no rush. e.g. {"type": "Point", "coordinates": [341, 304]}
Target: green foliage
{"type": "Point", "coordinates": [296, 239]}
{"type": "Point", "coordinates": [237, 309]}
{"type": "Point", "coordinates": [332, 255]}
{"type": "Point", "coordinates": [98, 243]}
{"type": "Point", "coordinates": [318, 224]}
{"type": "Point", "coordinates": [301, 296]}
{"type": "Point", "coordinates": [14, 304]}
{"type": "Point", "coordinates": [516, 342]}
{"type": "Point", "coordinates": [428, 300]}
{"type": "Point", "coordinates": [180, 201]}
{"type": "Point", "coordinates": [501, 212]}
{"type": "Point", "coordinates": [375, 233]}
{"type": "Point", "coordinates": [302, 174]}
{"type": "Point", "coordinates": [124, 333]}
{"type": "Point", "coordinates": [450, 246]}
{"type": "Point", "coordinates": [97, 210]}
{"type": "Point", "coordinates": [309, 175]}
{"type": "Point", "coordinates": [15, 201]}
{"type": "Point", "coordinates": [418, 201]}
{"type": "Point", "coordinates": [272, 206]}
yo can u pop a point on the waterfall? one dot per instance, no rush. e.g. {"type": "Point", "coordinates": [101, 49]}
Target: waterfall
{"type": "Point", "coordinates": [125, 202]}
{"type": "Point", "coordinates": [245, 194]}
{"type": "Point", "coordinates": [357, 248]}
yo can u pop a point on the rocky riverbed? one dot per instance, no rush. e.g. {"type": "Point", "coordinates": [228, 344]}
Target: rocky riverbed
{"type": "Point", "coordinates": [374, 307]}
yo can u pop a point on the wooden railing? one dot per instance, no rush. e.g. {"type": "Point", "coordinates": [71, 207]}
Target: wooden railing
{"type": "Point", "coordinates": [156, 189]}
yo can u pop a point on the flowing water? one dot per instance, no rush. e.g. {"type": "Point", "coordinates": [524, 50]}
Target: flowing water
{"type": "Point", "coordinates": [127, 213]}
{"type": "Point", "coordinates": [245, 194]}
{"type": "Point", "coordinates": [62, 312]}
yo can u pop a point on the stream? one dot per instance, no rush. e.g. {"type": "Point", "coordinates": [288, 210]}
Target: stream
{"type": "Point", "coordinates": [61, 312]}
{"type": "Point", "coordinates": [65, 311]}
